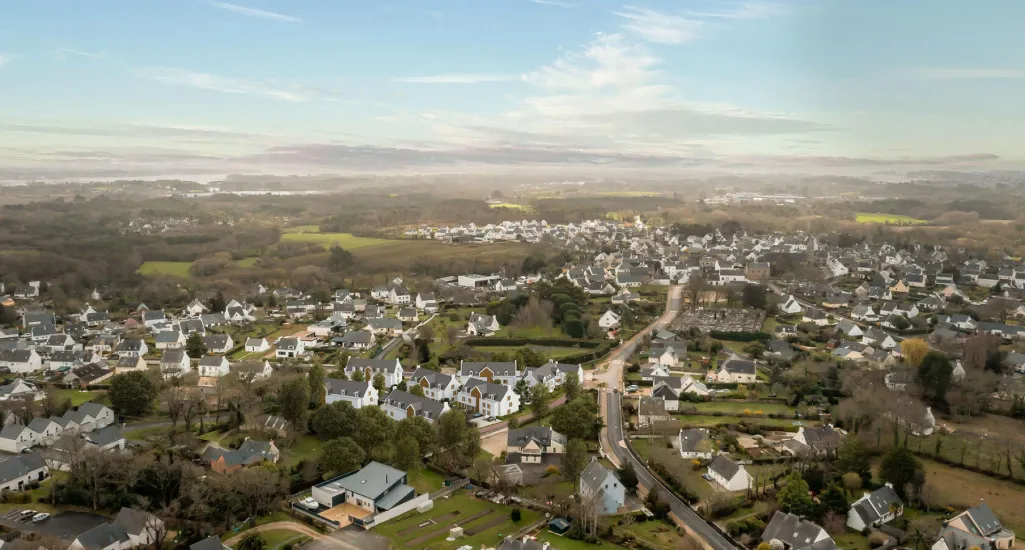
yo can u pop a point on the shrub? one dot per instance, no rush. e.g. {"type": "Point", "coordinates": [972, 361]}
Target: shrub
{"type": "Point", "coordinates": [516, 515]}
{"type": "Point", "coordinates": [552, 470]}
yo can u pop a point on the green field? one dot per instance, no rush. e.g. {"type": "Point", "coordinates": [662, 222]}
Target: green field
{"type": "Point", "coordinates": [302, 229]}
{"type": "Point", "coordinates": [171, 269]}
{"type": "Point", "coordinates": [566, 543]}
{"type": "Point", "coordinates": [704, 421]}
{"type": "Point", "coordinates": [76, 397]}
{"type": "Point", "coordinates": [347, 241]}
{"type": "Point", "coordinates": [889, 219]}
{"type": "Point", "coordinates": [740, 407]}
{"type": "Point", "coordinates": [403, 530]}
{"type": "Point", "coordinates": [247, 262]}
{"type": "Point", "coordinates": [550, 352]}
{"type": "Point", "coordinates": [305, 446]}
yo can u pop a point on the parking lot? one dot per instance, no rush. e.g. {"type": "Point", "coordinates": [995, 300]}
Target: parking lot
{"type": "Point", "coordinates": [65, 525]}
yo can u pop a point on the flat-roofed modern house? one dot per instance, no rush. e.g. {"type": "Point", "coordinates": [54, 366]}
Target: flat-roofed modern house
{"type": "Point", "coordinates": [375, 488]}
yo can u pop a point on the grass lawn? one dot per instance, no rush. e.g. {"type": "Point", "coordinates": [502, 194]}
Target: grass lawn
{"type": "Point", "coordinates": [401, 531]}
{"type": "Point", "coordinates": [769, 324]}
{"type": "Point", "coordinates": [702, 421]}
{"type": "Point", "coordinates": [566, 543]}
{"type": "Point", "coordinates": [305, 446]}
{"type": "Point", "coordinates": [247, 262]}
{"type": "Point", "coordinates": [156, 432]}
{"type": "Point", "coordinates": [531, 332]}
{"type": "Point", "coordinates": [656, 533]}
{"type": "Point", "coordinates": [302, 229]}
{"type": "Point", "coordinates": [656, 451]}
{"type": "Point", "coordinates": [892, 219]}
{"type": "Point", "coordinates": [741, 407]}
{"type": "Point", "coordinates": [426, 481]}
{"type": "Point", "coordinates": [851, 541]}
{"type": "Point", "coordinates": [550, 352]}
{"type": "Point", "coordinates": [76, 397]}
{"type": "Point", "coordinates": [276, 538]}
{"type": "Point", "coordinates": [549, 486]}
{"type": "Point", "coordinates": [211, 436]}
{"type": "Point", "coordinates": [347, 241]}
{"type": "Point", "coordinates": [171, 269]}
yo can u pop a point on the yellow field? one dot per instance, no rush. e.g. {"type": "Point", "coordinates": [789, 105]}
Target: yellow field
{"type": "Point", "coordinates": [512, 205]}
{"type": "Point", "coordinates": [347, 241]}
{"type": "Point", "coordinates": [889, 219]}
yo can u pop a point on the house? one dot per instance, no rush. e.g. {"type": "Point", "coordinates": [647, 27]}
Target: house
{"type": "Point", "coordinates": [609, 320]}
{"type": "Point", "coordinates": [488, 398]}
{"type": "Point", "coordinates": [356, 340]}
{"type": "Point", "coordinates": [878, 339]}
{"type": "Point", "coordinates": [779, 349]}
{"type": "Point", "coordinates": [651, 409]}
{"type": "Point", "coordinates": [213, 542]}
{"type": "Point", "coordinates": [218, 343]}
{"type": "Point", "coordinates": [131, 528]}
{"type": "Point", "coordinates": [875, 508]}
{"type": "Point", "coordinates": [849, 329]}
{"type": "Point", "coordinates": [795, 533]}
{"type": "Point", "coordinates": [391, 369]}
{"type": "Point", "coordinates": [17, 472]}
{"type": "Point", "coordinates": [68, 359]}
{"type": "Point", "coordinates": [88, 375]}
{"type": "Point", "coordinates": [482, 325]}
{"type": "Point", "coordinates": [695, 444]}
{"type": "Point", "coordinates": [436, 385]}
{"type": "Point", "coordinates": [195, 309]}
{"type": "Point", "coordinates": [734, 371]}
{"type": "Point", "coordinates": [785, 331]}
{"type": "Point", "coordinates": [105, 343]}
{"type": "Point", "coordinates": [533, 445]}
{"type": "Point", "coordinates": [359, 394]}
{"type": "Point", "coordinates": [815, 316]}
{"type": "Point", "coordinates": [407, 315]}
{"type": "Point", "coordinates": [253, 370]}
{"type": "Point", "coordinates": [20, 390]}
{"type": "Point", "coordinates": [864, 313]}
{"type": "Point", "coordinates": [499, 372]}
{"type": "Point", "coordinates": [375, 488]}
{"type": "Point", "coordinates": [175, 363]}
{"type": "Point", "coordinates": [47, 430]}
{"type": "Point", "coordinates": [426, 302]}
{"type": "Point", "coordinates": [401, 404]}
{"type": "Point", "coordinates": [789, 305]}
{"type": "Point", "coordinates": [132, 364]}
{"type": "Point", "coordinates": [257, 345]}
{"type": "Point", "coordinates": [730, 475]}
{"type": "Point", "coordinates": [32, 319]}
{"type": "Point", "coordinates": [757, 271]}
{"type": "Point", "coordinates": [976, 527]}
{"type": "Point", "coordinates": [385, 326]}
{"type": "Point", "coordinates": [665, 356]}
{"type": "Point", "coordinates": [290, 348]}
{"type": "Point", "coordinates": [15, 438]}
{"type": "Point", "coordinates": [109, 438]}
{"type": "Point", "coordinates": [648, 374]}
{"type": "Point", "coordinates": [151, 318]}
{"type": "Point", "coordinates": [132, 347]}
{"type": "Point", "coordinates": [817, 440]}
{"type": "Point", "coordinates": [602, 485]}
{"type": "Point", "coordinates": [20, 360]}
{"type": "Point", "coordinates": [526, 543]}
{"type": "Point", "coordinates": [249, 453]}
{"type": "Point", "coordinates": [213, 365]}
{"type": "Point", "coordinates": [959, 321]}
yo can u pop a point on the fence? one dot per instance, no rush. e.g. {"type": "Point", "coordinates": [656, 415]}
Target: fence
{"type": "Point", "coordinates": [382, 517]}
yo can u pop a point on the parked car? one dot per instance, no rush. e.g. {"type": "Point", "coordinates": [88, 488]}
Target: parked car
{"type": "Point", "coordinates": [632, 388]}
{"type": "Point", "coordinates": [707, 477]}
{"type": "Point", "coordinates": [41, 517]}
{"type": "Point", "coordinates": [27, 514]}
{"type": "Point", "coordinates": [309, 503]}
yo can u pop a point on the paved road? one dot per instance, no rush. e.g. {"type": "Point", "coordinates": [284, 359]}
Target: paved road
{"type": "Point", "coordinates": [612, 376]}
{"type": "Point", "coordinates": [680, 509]}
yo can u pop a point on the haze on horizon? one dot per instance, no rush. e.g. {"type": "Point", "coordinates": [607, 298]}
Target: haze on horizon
{"type": "Point", "coordinates": [122, 88]}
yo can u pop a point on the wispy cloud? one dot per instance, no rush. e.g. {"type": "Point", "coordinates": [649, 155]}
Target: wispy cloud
{"type": "Point", "coordinates": [62, 51]}
{"type": "Point", "coordinates": [556, 3]}
{"type": "Point", "coordinates": [658, 27]}
{"type": "Point", "coordinates": [742, 10]}
{"type": "Point", "coordinates": [4, 59]}
{"type": "Point", "coordinates": [225, 84]}
{"type": "Point", "coordinates": [253, 12]}
{"type": "Point", "coordinates": [459, 78]}
{"type": "Point", "coordinates": [968, 73]}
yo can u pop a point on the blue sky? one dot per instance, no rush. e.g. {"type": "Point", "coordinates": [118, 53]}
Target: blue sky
{"type": "Point", "coordinates": [156, 87]}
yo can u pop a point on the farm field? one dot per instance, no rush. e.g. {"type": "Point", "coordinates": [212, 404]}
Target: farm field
{"type": "Point", "coordinates": [484, 523]}
{"type": "Point", "coordinates": [347, 241]}
{"type": "Point", "coordinates": [891, 219]}
{"type": "Point", "coordinates": [171, 269]}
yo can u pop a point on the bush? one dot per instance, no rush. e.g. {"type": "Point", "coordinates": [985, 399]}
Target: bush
{"type": "Point", "coordinates": [552, 470]}
{"type": "Point", "coordinates": [516, 515]}
{"type": "Point", "coordinates": [740, 336]}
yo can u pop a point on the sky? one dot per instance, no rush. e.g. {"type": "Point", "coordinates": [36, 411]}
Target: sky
{"type": "Point", "coordinates": [107, 88]}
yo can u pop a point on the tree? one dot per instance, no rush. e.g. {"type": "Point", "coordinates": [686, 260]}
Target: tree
{"type": "Point", "coordinates": [407, 454]}
{"type": "Point", "coordinates": [935, 374]}
{"type": "Point", "coordinates": [132, 394]}
{"type": "Point", "coordinates": [914, 350]}
{"type": "Point", "coordinates": [218, 304]}
{"type": "Point", "coordinates": [574, 461]}
{"type": "Point", "coordinates": [755, 349]}
{"type": "Point", "coordinates": [794, 497]}
{"type": "Point", "coordinates": [539, 400]}
{"type": "Point", "coordinates": [754, 296]}
{"type": "Point", "coordinates": [628, 476]}
{"type": "Point", "coordinates": [852, 482]}
{"type": "Point", "coordinates": [195, 346]}
{"type": "Point", "coordinates": [834, 500]}
{"type": "Point", "coordinates": [375, 428]}
{"type": "Point", "coordinates": [358, 376]}
{"type": "Point", "coordinates": [528, 357]}
{"type": "Point", "coordinates": [335, 420]}
{"type": "Point", "coordinates": [853, 456]}
{"type": "Point", "coordinates": [315, 377]}
{"type": "Point", "coordinates": [342, 455]}
{"type": "Point", "coordinates": [421, 430]}
{"type": "Point", "coordinates": [251, 541]}
{"type": "Point", "coordinates": [522, 390]}
{"type": "Point", "coordinates": [571, 385]}
{"type": "Point", "coordinates": [379, 382]}
{"type": "Point", "coordinates": [294, 399]}
{"type": "Point", "coordinates": [577, 419]}
{"type": "Point", "coordinates": [453, 434]}
{"type": "Point", "coordinates": [899, 468]}
{"type": "Point", "coordinates": [340, 260]}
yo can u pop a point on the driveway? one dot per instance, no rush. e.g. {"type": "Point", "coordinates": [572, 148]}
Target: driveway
{"type": "Point", "coordinates": [65, 525]}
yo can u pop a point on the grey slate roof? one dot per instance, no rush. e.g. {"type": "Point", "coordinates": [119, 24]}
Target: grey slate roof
{"type": "Point", "coordinates": [593, 476]}
{"type": "Point", "coordinates": [372, 481]}
{"type": "Point", "coordinates": [213, 542]}
{"type": "Point", "coordinates": [20, 465]}
{"type": "Point", "coordinates": [473, 368]}
{"type": "Point", "coordinates": [877, 504]}
{"type": "Point", "coordinates": [694, 441]}
{"type": "Point", "coordinates": [544, 436]}
{"type": "Point", "coordinates": [422, 406]}
{"type": "Point", "coordinates": [337, 386]}
{"type": "Point", "coordinates": [105, 436]}
{"type": "Point", "coordinates": [724, 467]}
{"type": "Point", "coordinates": [795, 532]}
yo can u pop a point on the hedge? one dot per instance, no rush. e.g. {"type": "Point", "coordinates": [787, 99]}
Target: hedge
{"type": "Point", "coordinates": [740, 336]}
{"type": "Point", "coordinates": [551, 342]}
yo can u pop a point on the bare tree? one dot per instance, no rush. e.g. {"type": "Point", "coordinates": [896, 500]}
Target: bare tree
{"type": "Point", "coordinates": [155, 530]}
{"type": "Point", "coordinates": [62, 456]}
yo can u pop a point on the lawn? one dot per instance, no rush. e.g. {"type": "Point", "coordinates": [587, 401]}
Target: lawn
{"type": "Point", "coordinates": [347, 241]}
{"type": "Point", "coordinates": [247, 262]}
{"type": "Point", "coordinates": [566, 543]}
{"type": "Point", "coordinates": [550, 352]}
{"type": "Point", "coordinates": [531, 332]}
{"type": "Point", "coordinates": [404, 530]}
{"type": "Point", "coordinates": [656, 533]}
{"type": "Point", "coordinates": [426, 481]}
{"type": "Point", "coordinates": [656, 451]}
{"type": "Point", "coordinates": [741, 407]}
{"type": "Point", "coordinates": [276, 538]}
{"type": "Point", "coordinates": [156, 432]}
{"type": "Point", "coordinates": [889, 219]}
{"type": "Point", "coordinates": [702, 421]}
{"type": "Point", "coordinates": [76, 397]}
{"type": "Point", "coordinates": [170, 269]}
{"type": "Point", "coordinates": [302, 229]}
{"type": "Point", "coordinates": [851, 541]}
{"type": "Point", "coordinates": [304, 447]}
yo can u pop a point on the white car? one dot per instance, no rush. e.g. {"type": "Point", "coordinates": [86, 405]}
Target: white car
{"type": "Point", "coordinates": [309, 503]}
{"type": "Point", "coordinates": [41, 517]}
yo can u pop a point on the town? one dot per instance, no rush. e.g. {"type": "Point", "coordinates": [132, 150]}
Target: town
{"type": "Point", "coordinates": [649, 385]}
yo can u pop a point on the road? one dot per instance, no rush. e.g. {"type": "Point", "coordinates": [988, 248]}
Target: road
{"type": "Point", "coordinates": [614, 427]}
{"type": "Point", "coordinates": [612, 376]}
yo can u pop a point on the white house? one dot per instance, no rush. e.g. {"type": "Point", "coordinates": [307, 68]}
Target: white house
{"type": "Point", "coordinates": [218, 343]}
{"type": "Point", "coordinates": [695, 444]}
{"type": "Point", "coordinates": [359, 394]}
{"type": "Point", "coordinates": [400, 404]}
{"type": "Point", "coordinates": [488, 398]}
{"type": "Point", "coordinates": [609, 320]}
{"type": "Point", "coordinates": [18, 471]}
{"type": "Point", "coordinates": [257, 345]}
{"type": "Point", "coordinates": [130, 529]}
{"type": "Point", "coordinates": [214, 365]}
{"type": "Point", "coordinates": [391, 369]}
{"type": "Point", "coordinates": [21, 390]}
{"type": "Point", "coordinates": [436, 385]}
{"type": "Point", "coordinates": [849, 329]}
{"type": "Point", "coordinates": [788, 304]}
{"type": "Point", "coordinates": [875, 508]}
{"type": "Point", "coordinates": [482, 325]}
{"type": "Point", "coordinates": [15, 438]}
{"type": "Point", "coordinates": [196, 308]}
{"type": "Point", "coordinates": [175, 363]}
{"type": "Point", "coordinates": [534, 443]}
{"type": "Point", "coordinates": [21, 360]}
{"type": "Point", "coordinates": [602, 485]}
{"type": "Point", "coordinates": [132, 347]}
{"type": "Point", "coordinates": [503, 372]}
{"type": "Point", "coordinates": [730, 475]}
{"type": "Point", "coordinates": [290, 348]}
